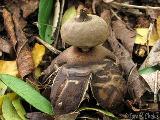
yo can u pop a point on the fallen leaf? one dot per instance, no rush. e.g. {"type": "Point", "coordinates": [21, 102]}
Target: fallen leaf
{"type": "Point", "coordinates": [129, 68]}
{"type": "Point", "coordinates": [158, 25]}
{"type": "Point", "coordinates": [153, 57]}
{"type": "Point", "coordinates": [11, 96]}
{"type": "Point", "coordinates": [38, 53]}
{"type": "Point", "coordinates": [69, 116]}
{"type": "Point", "coordinates": [69, 13]}
{"type": "Point", "coordinates": [8, 111]}
{"type": "Point", "coordinates": [27, 92]}
{"type": "Point", "coordinates": [19, 108]}
{"type": "Point", "coordinates": [39, 116]}
{"type": "Point", "coordinates": [9, 25]}
{"type": "Point", "coordinates": [5, 46]}
{"type": "Point", "coordinates": [153, 80]}
{"type": "Point", "coordinates": [28, 7]}
{"type": "Point", "coordinates": [136, 84]}
{"type": "Point", "coordinates": [124, 34]}
{"type": "Point", "coordinates": [141, 37]}
{"type": "Point", "coordinates": [8, 67]}
{"type": "Point", "coordinates": [24, 60]}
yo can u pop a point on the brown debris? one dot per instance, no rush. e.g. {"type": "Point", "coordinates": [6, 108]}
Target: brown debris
{"type": "Point", "coordinates": [38, 116]}
{"type": "Point", "coordinates": [24, 58]}
{"type": "Point", "coordinates": [129, 68]}
{"type": "Point", "coordinates": [137, 85]}
{"type": "Point", "coordinates": [5, 46]}
{"type": "Point", "coordinates": [9, 25]}
{"type": "Point", "coordinates": [29, 6]}
{"type": "Point", "coordinates": [124, 34]}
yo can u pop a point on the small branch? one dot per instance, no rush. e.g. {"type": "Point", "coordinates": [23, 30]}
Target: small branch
{"type": "Point", "coordinates": [50, 47]}
{"type": "Point", "coordinates": [134, 6]}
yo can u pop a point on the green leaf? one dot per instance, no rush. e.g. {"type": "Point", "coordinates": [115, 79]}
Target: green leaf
{"type": "Point", "coordinates": [44, 15]}
{"type": "Point", "coordinates": [69, 13]}
{"type": "Point", "coordinates": [9, 113]}
{"type": "Point", "coordinates": [100, 111]}
{"type": "Point", "coordinates": [28, 93]}
{"type": "Point", "coordinates": [3, 88]}
{"type": "Point", "coordinates": [19, 108]}
{"type": "Point", "coordinates": [48, 34]}
{"type": "Point", "coordinates": [149, 70]}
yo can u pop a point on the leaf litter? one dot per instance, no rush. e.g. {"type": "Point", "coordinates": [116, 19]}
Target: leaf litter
{"type": "Point", "coordinates": [135, 45]}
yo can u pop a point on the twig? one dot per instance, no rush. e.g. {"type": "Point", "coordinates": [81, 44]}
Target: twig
{"type": "Point", "coordinates": [134, 6]}
{"type": "Point", "coordinates": [59, 24]}
{"type": "Point", "coordinates": [51, 48]}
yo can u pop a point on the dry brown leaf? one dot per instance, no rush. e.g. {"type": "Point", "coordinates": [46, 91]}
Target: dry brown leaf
{"type": "Point", "coordinates": [69, 116]}
{"type": "Point", "coordinates": [137, 85]}
{"type": "Point", "coordinates": [15, 9]}
{"type": "Point", "coordinates": [124, 34]}
{"type": "Point", "coordinates": [39, 116]}
{"type": "Point", "coordinates": [129, 68]}
{"type": "Point", "coordinates": [158, 25]}
{"type": "Point", "coordinates": [24, 60]}
{"type": "Point", "coordinates": [29, 6]}
{"type": "Point", "coordinates": [5, 46]}
{"type": "Point", "coordinates": [9, 25]}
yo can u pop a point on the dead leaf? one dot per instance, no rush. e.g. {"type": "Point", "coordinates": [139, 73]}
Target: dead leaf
{"type": "Point", "coordinates": [153, 57]}
{"type": "Point", "coordinates": [5, 46]}
{"type": "Point", "coordinates": [129, 68]}
{"type": "Point", "coordinates": [14, 8]}
{"type": "Point", "coordinates": [69, 116]}
{"type": "Point", "coordinates": [137, 86]}
{"type": "Point", "coordinates": [24, 60]}
{"type": "Point", "coordinates": [38, 53]}
{"type": "Point", "coordinates": [124, 34]}
{"type": "Point", "coordinates": [8, 67]}
{"type": "Point", "coordinates": [105, 15]}
{"type": "Point", "coordinates": [153, 80]}
{"type": "Point", "coordinates": [29, 6]}
{"type": "Point", "coordinates": [39, 116]}
{"type": "Point", "coordinates": [141, 37]}
{"type": "Point", "coordinates": [9, 25]}
{"type": "Point", "coordinates": [158, 25]}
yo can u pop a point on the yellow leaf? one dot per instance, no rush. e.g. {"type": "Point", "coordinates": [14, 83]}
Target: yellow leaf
{"type": "Point", "coordinates": [11, 96]}
{"type": "Point", "coordinates": [8, 67]}
{"type": "Point", "coordinates": [37, 72]}
{"type": "Point", "coordinates": [158, 25]}
{"type": "Point", "coordinates": [8, 110]}
{"type": "Point", "coordinates": [19, 108]}
{"type": "Point", "coordinates": [141, 37]}
{"type": "Point", "coordinates": [37, 53]}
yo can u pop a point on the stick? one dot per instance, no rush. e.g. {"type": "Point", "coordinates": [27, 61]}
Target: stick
{"type": "Point", "coordinates": [134, 6]}
{"type": "Point", "coordinates": [51, 48]}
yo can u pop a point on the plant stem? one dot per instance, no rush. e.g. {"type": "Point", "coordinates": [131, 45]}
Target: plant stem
{"type": "Point", "coordinates": [134, 6]}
